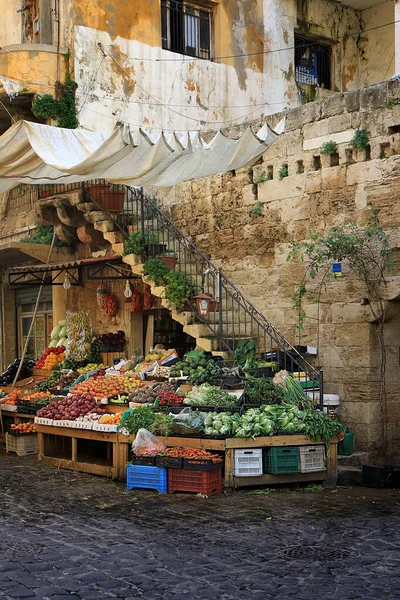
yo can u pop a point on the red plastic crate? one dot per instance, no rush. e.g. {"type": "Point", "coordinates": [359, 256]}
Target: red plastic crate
{"type": "Point", "coordinates": [208, 483]}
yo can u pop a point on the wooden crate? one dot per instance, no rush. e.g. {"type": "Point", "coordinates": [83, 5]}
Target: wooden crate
{"type": "Point", "coordinates": [43, 372]}
{"type": "Point", "coordinates": [107, 358]}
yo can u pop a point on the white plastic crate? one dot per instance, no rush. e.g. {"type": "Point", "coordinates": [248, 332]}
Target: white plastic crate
{"type": "Point", "coordinates": [43, 421]}
{"type": "Point", "coordinates": [9, 407]}
{"type": "Point", "coordinates": [84, 424]}
{"type": "Point", "coordinates": [312, 458]}
{"type": "Point", "coordinates": [248, 462]}
{"type": "Point", "coordinates": [106, 427]}
{"type": "Point", "coordinates": [23, 445]}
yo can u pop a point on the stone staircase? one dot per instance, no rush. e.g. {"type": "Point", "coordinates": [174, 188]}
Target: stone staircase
{"type": "Point", "coordinates": [73, 213]}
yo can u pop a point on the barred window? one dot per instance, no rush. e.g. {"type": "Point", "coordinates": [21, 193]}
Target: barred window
{"type": "Point", "coordinates": [186, 28]}
{"type": "Point", "coordinates": [312, 62]}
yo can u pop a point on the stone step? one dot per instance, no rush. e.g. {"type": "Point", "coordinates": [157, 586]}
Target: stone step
{"type": "Point", "coordinates": [104, 227]}
{"type": "Point", "coordinates": [357, 459]}
{"type": "Point", "coordinates": [118, 248]}
{"type": "Point", "coordinates": [349, 475]}
{"type": "Point", "coordinates": [115, 237]}
{"type": "Point", "coordinates": [94, 216]}
{"type": "Point", "coordinates": [87, 207]}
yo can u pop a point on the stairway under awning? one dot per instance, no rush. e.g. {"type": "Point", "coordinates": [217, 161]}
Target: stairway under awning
{"type": "Point", "coordinates": [33, 153]}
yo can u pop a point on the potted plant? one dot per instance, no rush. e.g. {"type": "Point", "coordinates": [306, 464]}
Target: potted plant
{"type": "Point", "coordinates": [111, 197]}
{"type": "Point", "coordinates": [179, 290]}
{"type": "Point", "coordinates": [156, 270]}
{"type": "Point", "coordinates": [138, 242]}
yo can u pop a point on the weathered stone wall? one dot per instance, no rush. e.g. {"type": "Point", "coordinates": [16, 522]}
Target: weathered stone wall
{"type": "Point", "coordinates": [215, 213]}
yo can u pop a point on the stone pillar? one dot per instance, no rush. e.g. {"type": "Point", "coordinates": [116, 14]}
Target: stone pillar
{"type": "Point", "coordinates": [136, 333]}
{"type": "Point", "coordinates": [9, 344]}
{"type": "Point", "coordinates": [397, 35]}
{"type": "Point", "coordinates": [59, 303]}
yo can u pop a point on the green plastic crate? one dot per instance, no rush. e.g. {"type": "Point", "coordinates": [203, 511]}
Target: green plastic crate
{"type": "Point", "coordinates": [281, 460]}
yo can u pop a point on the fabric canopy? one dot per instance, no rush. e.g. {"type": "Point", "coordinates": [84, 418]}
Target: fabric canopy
{"type": "Point", "coordinates": [32, 153]}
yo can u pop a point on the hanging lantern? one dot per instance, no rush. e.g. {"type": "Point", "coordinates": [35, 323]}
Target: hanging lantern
{"type": "Point", "coordinates": [203, 304]}
{"type": "Point", "coordinates": [127, 292]}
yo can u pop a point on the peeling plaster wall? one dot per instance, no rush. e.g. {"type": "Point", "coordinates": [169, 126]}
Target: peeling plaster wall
{"type": "Point", "coordinates": [160, 89]}
{"type": "Point", "coordinates": [377, 46]}
{"type": "Point", "coordinates": [10, 22]}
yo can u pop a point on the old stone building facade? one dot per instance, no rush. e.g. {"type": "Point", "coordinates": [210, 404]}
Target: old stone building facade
{"type": "Point", "coordinates": [216, 214]}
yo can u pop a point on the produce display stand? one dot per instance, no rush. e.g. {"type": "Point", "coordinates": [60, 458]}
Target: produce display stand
{"type": "Point", "coordinates": [115, 468]}
{"type": "Point", "coordinates": [120, 444]}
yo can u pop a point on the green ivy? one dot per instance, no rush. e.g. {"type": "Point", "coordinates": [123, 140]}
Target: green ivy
{"type": "Point", "coordinates": [329, 147]}
{"type": "Point", "coordinates": [360, 139]}
{"type": "Point", "coordinates": [43, 235]}
{"type": "Point", "coordinates": [62, 110]}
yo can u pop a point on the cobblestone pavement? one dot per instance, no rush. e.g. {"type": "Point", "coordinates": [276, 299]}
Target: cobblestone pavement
{"type": "Point", "coordinates": [67, 535]}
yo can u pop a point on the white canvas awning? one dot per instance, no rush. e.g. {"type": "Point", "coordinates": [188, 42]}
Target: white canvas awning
{"type": "Point", "coordinates": [32, 153]}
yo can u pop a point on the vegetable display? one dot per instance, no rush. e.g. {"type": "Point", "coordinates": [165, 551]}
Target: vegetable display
{"type": "Point", "coordinates": [191, 453]}
{"type": "Point", "coordinates": [9, 374]}
{"type": "Point", "coordinates": [162, 425]}
{"type": "Point", "coordinates": [148, 393]}
{"type": "Point", "coordinates": [134, 419]}
{"type": "Point", "coordinates": [292, 390]}
{"type": "Point", "coordinates": [197, 368]}
{"type": "Point", "coordinates": [169, 398]}
{"type": "Point", "coordinates": [112, 342]}
{"type": "Point", "coordinates": [209, 395]}
{"type": "Point", "coordinates": [58, 336]}
{"type": "Point", "coordinates": [71, 407]}
{"type": "Point", "coordinates": [50, 358]}
{"type": "Point", "coordinates": [264, 391]}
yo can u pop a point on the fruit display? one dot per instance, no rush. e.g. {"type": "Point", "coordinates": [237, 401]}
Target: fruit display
{"type": "Point", "coordinates": [60, 383]}
{"type": "Point", "coordinates": [10, 399]}
{"type": "Point", "coordinates": [149, 393]}
{"type": "Point", "coordinates": [159, 372]}
{"type": "Point", "coordinates": [50, 358]}
{"type": "Point", "coordinates": [160, 355]}
{"type": "Point", "coordinates": [79, 333]}
{"type": "Point", "coordinates": [197, 367]}
{"type": "Point", "coordinates": [71, 407]}
{"type": "Point", "coordinates": [90, 367]}
{"type": "Point", "coordinates": [8, 376]}
{"type": "Point", "coordinates": [111, 419]}
{"type": "Point", "coordinates": [105, 386]}
{"type": "Point", "coordinates": [23, 428]}
{"type": "Point", "coordinates": [59, 335]}
{"type": "Point", "coordinates": [169, 398]}
{"type": "Point", "coordinates": [36, 396]}
{"type": "Point", "coordinates": [112, 342]}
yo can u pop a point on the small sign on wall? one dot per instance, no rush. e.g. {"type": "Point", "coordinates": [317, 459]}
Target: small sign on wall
{"type": "Point", "coordinates": [337, 269]}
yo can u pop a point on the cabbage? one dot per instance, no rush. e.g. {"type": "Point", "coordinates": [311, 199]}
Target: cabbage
{"type": "Point", "coordinates": [55, 334]}
{"type": "Point", "coordinates": [52, 344]}
{"type": "Point", "coordinates": [62, 323]}
{"type": "Point", "coordinates": [62, 341]}
{"type": "Point", "coordinates": [63, 332]}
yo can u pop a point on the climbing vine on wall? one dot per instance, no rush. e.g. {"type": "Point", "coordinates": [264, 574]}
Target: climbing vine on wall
{"type": "Point", "coordinates": [367, 252]}
{"type": "Point", "coordinates": [63, 110]}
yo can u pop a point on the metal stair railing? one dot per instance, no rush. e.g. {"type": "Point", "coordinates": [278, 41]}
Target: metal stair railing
{"type": "Point", "coordinates": [232, 318]}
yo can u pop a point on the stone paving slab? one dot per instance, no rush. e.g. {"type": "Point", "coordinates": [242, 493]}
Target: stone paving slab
{"type": "Point", "coordinates": [81, 537]}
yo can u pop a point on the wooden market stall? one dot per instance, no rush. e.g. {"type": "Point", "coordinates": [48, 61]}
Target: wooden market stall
{"type": "Point", "coordinates": [118, 452]}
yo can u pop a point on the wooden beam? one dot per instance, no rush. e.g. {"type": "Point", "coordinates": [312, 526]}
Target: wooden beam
{"type": "Point", "coordinates": [274, 440]}
{"type": "Point", "coordinates": [62, 463]}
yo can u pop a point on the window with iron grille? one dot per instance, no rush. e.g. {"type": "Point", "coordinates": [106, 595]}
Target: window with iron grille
{"type": "Point", "coordinates": [186, 28]}
{"type": "Point", "coordinates": [312, 62]}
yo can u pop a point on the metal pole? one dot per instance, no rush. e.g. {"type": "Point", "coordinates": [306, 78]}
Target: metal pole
{"type": "Point", "coordinates": [34, 315]}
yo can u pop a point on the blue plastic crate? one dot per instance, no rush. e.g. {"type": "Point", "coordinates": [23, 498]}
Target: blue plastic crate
{"type": "Point", "coordinates": [152, 478]}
